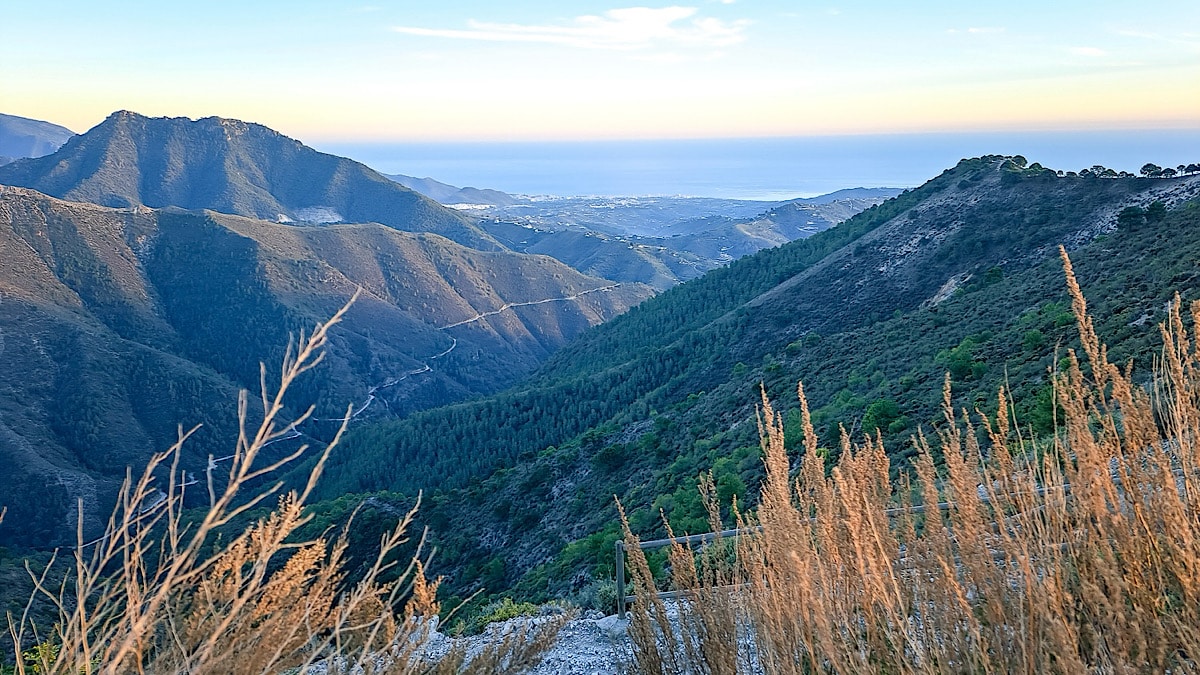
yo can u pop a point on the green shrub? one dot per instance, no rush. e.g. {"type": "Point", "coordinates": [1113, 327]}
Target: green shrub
{"type": "Point", "coordinates": [500, 610]}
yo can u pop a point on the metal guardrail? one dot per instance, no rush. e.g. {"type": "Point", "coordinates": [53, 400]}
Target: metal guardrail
{"type": "Point", "coordinates": [619, 550]}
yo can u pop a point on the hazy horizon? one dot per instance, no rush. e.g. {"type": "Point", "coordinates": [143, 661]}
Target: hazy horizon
{"type": "Point", "coordinates": [767, 169]}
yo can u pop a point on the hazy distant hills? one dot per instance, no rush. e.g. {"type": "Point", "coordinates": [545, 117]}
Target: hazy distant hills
{"type": "Point", "coordinates": [232, 167]}
{"type": "Point", "coordinates": [23, 137]}
{"type": "Point", "coordinates": [658, 241]}
{"type": "Point", "coordinates": [718, 241]}
{"type": "Point", "coordinates": [851, 194]}
{"type": "Point", "coordinates": [661, 241]}
{"type": "Point", "coordinates": [118, 324]}
{"type": "Point", "coordinates": [444, 193]}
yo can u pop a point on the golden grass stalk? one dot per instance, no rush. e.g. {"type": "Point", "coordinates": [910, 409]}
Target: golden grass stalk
{"type": "Point", "coordinates": [1077, 553]}
{"type": "Point", "coordinates": [160, 593]}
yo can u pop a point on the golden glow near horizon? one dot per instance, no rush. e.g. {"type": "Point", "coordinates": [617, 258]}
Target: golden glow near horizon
{"type": "Point", "coordinates": [548, 71]}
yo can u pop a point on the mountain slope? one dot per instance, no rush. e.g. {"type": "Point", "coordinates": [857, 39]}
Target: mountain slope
{"type": "Point", "coordinates": [231, 167]}
{"type": "Point", "coordinates": [23, 137]}
{"type": "Point", "coordinates": [954, 275]}
{"type": "Point", "coordinates": [119, 324]}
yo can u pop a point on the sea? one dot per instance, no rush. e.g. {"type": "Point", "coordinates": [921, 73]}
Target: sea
{"type": "Point", "coordinates": [768, 169]}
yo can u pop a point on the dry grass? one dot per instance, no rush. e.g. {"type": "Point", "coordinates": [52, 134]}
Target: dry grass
{"type": "Point", "coordinates": [160, 593]}
{"type": "Point", "coordinates": [1079, 553]}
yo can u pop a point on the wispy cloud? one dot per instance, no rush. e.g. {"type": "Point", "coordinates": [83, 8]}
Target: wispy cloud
{"type": "Point", "coordinates": [977, 30]}
{"type": "Point", "coordinates": [1093, 52]}
{"type": "Point", "coordinates": [630, 28]}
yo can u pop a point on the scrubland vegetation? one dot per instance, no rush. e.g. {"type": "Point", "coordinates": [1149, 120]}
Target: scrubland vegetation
{"type": "Point", "coordinates": [1075, 552]}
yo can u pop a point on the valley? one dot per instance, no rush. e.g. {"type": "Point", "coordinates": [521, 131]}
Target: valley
{"type": "Point", "coordinates": [524, 362]}
{"type": "Point", "coordinates": [152, 263]}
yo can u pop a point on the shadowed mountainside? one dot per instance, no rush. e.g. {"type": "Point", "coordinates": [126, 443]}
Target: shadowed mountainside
{"type": "Point", "coordinates": [119, 324]}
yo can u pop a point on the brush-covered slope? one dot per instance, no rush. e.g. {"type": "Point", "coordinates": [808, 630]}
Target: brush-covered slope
{"type": "Point", "coordinates": [233, 167]}
{"type": "Point", "coordinates": [23, 137]}
{"type": "Point", "coordinates": [958, 275]}
{"type": "Point", "coordinates": [119, 324]}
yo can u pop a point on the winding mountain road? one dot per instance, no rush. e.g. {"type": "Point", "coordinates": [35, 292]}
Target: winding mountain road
{"type": "Point", "coordinates": [425, 367]}
{"type": "Point", "coordinates": [509, 305]}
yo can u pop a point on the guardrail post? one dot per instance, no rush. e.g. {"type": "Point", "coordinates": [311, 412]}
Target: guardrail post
{"type": "Point", "coordinates": [619, 549]}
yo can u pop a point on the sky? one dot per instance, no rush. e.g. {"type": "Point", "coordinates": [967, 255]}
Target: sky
{"type": "Point", "coordinates": [540, 71]}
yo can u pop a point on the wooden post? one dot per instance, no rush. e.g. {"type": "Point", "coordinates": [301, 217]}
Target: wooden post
{"type": "Point", "coordinates": [620, 560]}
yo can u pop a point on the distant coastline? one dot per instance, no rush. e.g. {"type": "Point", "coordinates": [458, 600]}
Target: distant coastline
{"type": "Point", "coordinates": [767, 169]}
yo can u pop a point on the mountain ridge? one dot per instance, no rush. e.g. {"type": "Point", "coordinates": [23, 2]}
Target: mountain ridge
{"type": "Point", "coordinates": [232, 167]}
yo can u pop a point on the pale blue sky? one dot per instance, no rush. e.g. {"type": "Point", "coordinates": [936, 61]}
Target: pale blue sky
{"type": "Point", "coordinates": [408, 71]}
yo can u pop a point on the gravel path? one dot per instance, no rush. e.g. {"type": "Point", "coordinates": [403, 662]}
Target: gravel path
{"type": "Point", "coordinates": [586, 646]}
{"type": "Point", "coordinates": [590, 644]}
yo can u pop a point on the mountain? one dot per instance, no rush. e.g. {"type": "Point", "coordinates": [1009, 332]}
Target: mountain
{"type": "Point", "coordinates": [232, 167]}
{"type": "Point", "coordinates": [959, 275]}
{"type": "Point", "coordinates": [119, 324]}
{"type": "Point", "coordinates": [448, 194]}
{"type": "Point", "coordinates": [23, 137]}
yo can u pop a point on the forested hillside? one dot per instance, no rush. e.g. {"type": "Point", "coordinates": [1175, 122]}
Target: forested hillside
{"type": "Point", "coordinates": [959, 275]}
